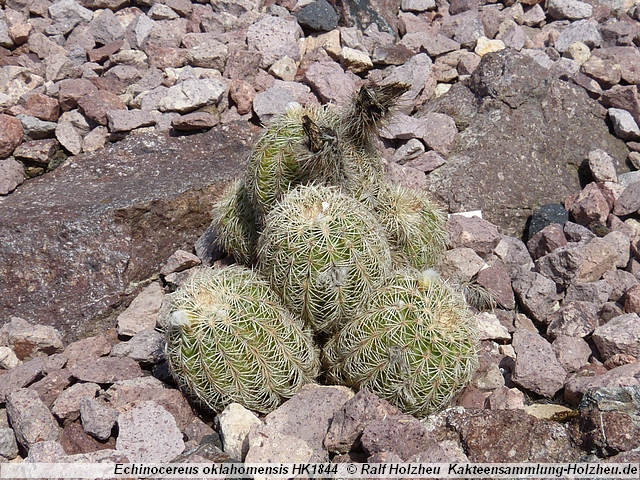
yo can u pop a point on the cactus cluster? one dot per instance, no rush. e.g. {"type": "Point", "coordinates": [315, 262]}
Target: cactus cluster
{"type": "Point", "coordinates": [327, 248]}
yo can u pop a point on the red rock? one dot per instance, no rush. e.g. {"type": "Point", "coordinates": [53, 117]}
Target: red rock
{"type": "Point", "coordinates": [164, 57]}
{"type": "Point", "coordinates": [42, 107]}
{"type": "Point", "coordinates": [51, 386]}
{"type": "Point", "coordinates": [71, 90]}
{"type": "Point", "coordinates": [96, 105]}
{"type": "Point", "coordinates": [242, 93]}
{"type": "Point", "coordinates": [37, 151]}
{"type": "Point", "coordinates": [74, 440]}
{"type": "Point", "coordinates": [100, 55]}
{"type": "Point", "coordinates": [590, 206]}
{"type": "Point", "coordinates": [10, 134]}
{"type": "Point", "coordinates": [496, 279]}
{"type": "Point", "coordinates": [546, 240]}
{"type": "Point", "coordinates": [632, 300]}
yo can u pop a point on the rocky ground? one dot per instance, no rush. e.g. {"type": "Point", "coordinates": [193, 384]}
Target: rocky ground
{"type": "Point", "coordinates": [525, 111]}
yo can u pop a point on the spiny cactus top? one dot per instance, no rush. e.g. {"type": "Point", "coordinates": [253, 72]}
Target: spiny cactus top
{"type": "Point", "coordinates": [324, 253]}
{"type": "Point", "coordinates": [229, 339]}
{"type": "Point", "coordinates": [415, 346]}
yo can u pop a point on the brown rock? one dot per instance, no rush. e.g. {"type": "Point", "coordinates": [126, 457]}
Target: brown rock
{"type": "Point", "coordinates": [605, 73]}
{"type": "Point", "coordinates": [575, 319]}
{"type": "Point", "coordinates": [632, 299]}
{"type": "Point", "coordinates": [590, 206]}
{"type": "Point", "coordinates": [243, 64]}
{"type": "Point", "coordinates": [512, 436]}
{"type": "Point", "coordinates": [537, 368]}
{"type": "Point", "coordinates": [629, 201]}
{"type": "Point", "coordinates": [507, 199]}
{"type": "Point", "coordinates": [402, 435]}
{"type": "Point", "coordinates": [441, 133]}
{"type": "Point", "coordinates": [10, 134]}
{"type": "Point", "coordinates": [473, 232]}
{"type": "Point", "coordinates": [496, 280]}
{"type": "Point", "coordinates": [37, 151]}
{"type": "Point", "coordinates": [96, 105]}
{"type": "Point", "coordinates": [106, 369]}
{"type": "Point", "coordinates": [42, 107]}
{"type": "Point", "coordinates": [606, 432]}
{"type": "Point", "coordinates": [178, 261]}
{"type": "Point", "coordinates": [597, 377]}
{"type": "Point", "coordinates": [624, 97]}
{"type": "Point", "coordinates": [74, 441]}
{"type": "Point", "coordinates": [350, 421]}
{"type": "Point", "coordinates": [117, 217]}
{"type": "Point", "coordinates": [307, 415]}
{"type": "Point", "coordinates": [165, 57]}
{"type": "Point", "coordinates": [30, 419]}
{"type": "Point", "coordinates": [403, 175]}
{"type": "Point", "coordinates": [71, 90]}
{"type": "Point", "coordinates": [92, 347]}
{"type": "Point", "coordinates": [546, 240]}
{"type": "Point", "coordinates": [242, 93]}
{"type": "Point", "coordinates": [21, 376]}
{"type": "Point", "coordinates": [426, 162]}
{"type": "Point", "coordinates": [505, 398]}
{"type": "Point", "coordinates": [100, 55]}
{"type": "Point", "coordinates": [51, 386]}
{"type": "Point", "coordinates": [195, 121]}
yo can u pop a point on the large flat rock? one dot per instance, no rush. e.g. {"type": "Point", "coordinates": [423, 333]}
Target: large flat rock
{"type": "Point", "coordinates": [524, 138]}
{"type": "Point", "coordinates": [77, 243]}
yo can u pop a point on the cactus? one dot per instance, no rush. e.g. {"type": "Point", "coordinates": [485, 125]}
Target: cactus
{"type": "Point", "coordinates": [324, 254]}
{"type": "Point", "coordinates": [234, 221]}
{"type": "Point", "coordinates": [416, 228]}
{"type": "Point", "coordinates": [229, 339]}
{"type": "Point", "coordinates": [324, 145]}
{"type": "Point", "coordinates": [415, 346]}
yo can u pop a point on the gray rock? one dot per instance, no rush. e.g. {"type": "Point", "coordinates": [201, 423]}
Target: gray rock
{"type": "Point", "coordinates": [36, 129]}
{"type": "Point", "coordinates": [536, 368]}
{"type": "Point", "coordinates": [273, 101]}
{"type": "Point", "coordinates": [515, 256]}
{"type": "Point", "coordinates": [619, 335]}
{"type": "Point", "coordinates": [21, 376]}
{"type": "Point", "coordinates": [596, 292]}
{"type": "Point", "coordinates": [620, 242]}
{"type": "Point", "coordinates": [267, 444]}
{"type": "Point", "coordinates": [329, 81]}
{"type": "Point", "coordinates": [98, 419]}
{"type": "Point", "coordinates": [579, 384]}
{"type": "Point", "coordinates": [469, 30]}
{"type": "Point", "coordinates": [569, 9]}
{"type": "Point", "coordinates": [235, 423]}
{"type": "Point", "coordinates": [145, 347]}
{"type": "Point", "coordinates": [8, 444]}
{"type": "Point", "coordinates": [537, 295]}
{"type": "Point", "coordinates": [506, 92]}
{"type": "Point", "coordinates": [148, 433]}
{"type": "Point", "coordinates": [8, 359]}
{"type": "Point", "coordinates": [440, 133]}
{"type": "Point", "coordinates": [208, 54]}
{"type": "Point", "coordinates": [274, 38]}
{"type": "Point", "coordinates": [572, 352]}
{"type": "Point", "coordinates": [91, 347]}
{"type": "Point", "coordinates": [624, 125]}
{"type": "Point", "coordinates": [404, 127]}
{"type": "Point", "coordinates": [602, 165]}
{"type": "Point", "coordinates": [402, 435]}
{"type": "Point", "coordinates": [66, 14]}
{"type": "Point", "coordinates": [142, 313]}
{"type": "Point", "coordinates": [350, 421]}
{"type": "Point", "coordinates": [574, 319]}
{"type": "Point", "coordinates": [30, 419]}
{"type": "Point", "coordinates": [307, 416]}
{"type": "Point", "coordinates": [106, 28]}
{"type": "Point", "coordinates": [585, 31]}
{"type": "Point", "coordinates": [577, 233]}
{"type": "Point", "coordinates": [408, 151]}
{"type": "Point", "coordinates": [67, 405]}
{"type": "Point", "coordinates": [106, 369]}
{"type": "Point", "coordinates": [417, 5]}
{"type": "Point", "coordinates": [404, 175]}
{"type": "Point", "coordinates": [427, 162]}
{"type": "Point", "coordinates": [192, 94]}
{"type": "Point", "coordinates": [318, 15]}
{"type": "Point", "coordinates": [69, 137]}
{"type": "Point", "coordinates": [490, 328]}
{"type": "Point", "coordinates": [11, 175]}
{"type": "Point", "coordinates": [126, 120]}
{"type": "Point", "coordinates": [414, 72]}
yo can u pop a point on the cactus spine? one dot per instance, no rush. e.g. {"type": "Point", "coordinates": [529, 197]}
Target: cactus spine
{"type": "Point", "coordinates": [416, 228]}
{"type": "Point", "coordinates": [234, 221]}
{"type": "Point", "coordinates": [324, 253]}
{"type": "Point", "coordinates": [230, 340]}
{"type": "Point", "coordinates": [415, 346]}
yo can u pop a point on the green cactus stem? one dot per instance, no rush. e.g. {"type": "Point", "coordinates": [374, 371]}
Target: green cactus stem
{"type": "Point", "coordinates": [324, 254]}
{"type": "Point", "coordinates": [415, 346]}
{"type": "Point", "coordinates": [229, 339]}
